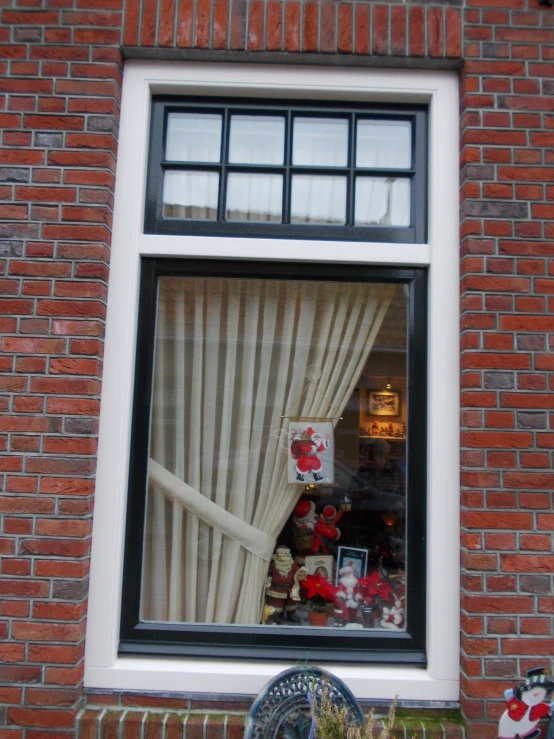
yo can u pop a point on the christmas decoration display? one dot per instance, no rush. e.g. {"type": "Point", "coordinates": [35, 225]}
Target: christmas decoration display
{"type": "Point", "coordinates": [326, 532]}
{"type": "Point", "coordinates": [348, 595]}
{"type": "Point", "coordinates": [527, 704]}
{"type": "Point", "coordinates": [303, 524]}
{"type": "Point", "coordinates": [393, 617]}
{"type": "Point", "coordinates": [282, 587]}
{"type": "Point", "coordinates": [311, 451]}
{"type": "Point", "coordinates": [375, 591]}
{"type": "Point", "coordinates": [320, 593]}
{"type": "Point", "coordinates": [373, 586]}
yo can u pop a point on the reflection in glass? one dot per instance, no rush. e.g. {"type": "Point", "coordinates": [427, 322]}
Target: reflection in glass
{"type": "Point", "coordinates": [254, 197]}
{"type": "Point", "coordinates": [382, 201]}
{"type": "Point", "coordinates": [257, 139]}
{"type": "Point", "coordinates": [190, 195]}
{"type": "Point", "coordinates": [384, 144]}
{"type": "Point", "coordinates": [320, 142]}
{"type": "Point", "coordinates": [193, 137]}
{"type": "Point", "coordinates": [318, 199]}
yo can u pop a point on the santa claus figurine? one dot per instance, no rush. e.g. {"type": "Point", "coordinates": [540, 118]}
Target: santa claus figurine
{"type": "Point", "coordinates": [348, 596]}
{"type": "Point", "coordinates": [283, 587]}
{"type": "Point", "coordinates": [526, 706]}
{"type": "Point", "coordinates": [326, 532]}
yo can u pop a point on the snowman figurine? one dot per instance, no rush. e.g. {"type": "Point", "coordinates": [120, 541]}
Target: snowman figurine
{"type": "Point", "coordinates": [526, 706]}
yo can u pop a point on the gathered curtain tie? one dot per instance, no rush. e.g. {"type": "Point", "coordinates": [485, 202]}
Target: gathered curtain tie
{"type": "Point", "coordinates": [235, 528]}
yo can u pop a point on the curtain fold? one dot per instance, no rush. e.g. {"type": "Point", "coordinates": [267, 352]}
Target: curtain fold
{"type": "Point", "coordinates": [232, 358]}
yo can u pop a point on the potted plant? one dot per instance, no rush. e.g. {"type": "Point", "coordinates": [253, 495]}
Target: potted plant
{"type": "Point", "coordinates": [319, 591]}
{"type": "Point", "coordinates": [374, 591]}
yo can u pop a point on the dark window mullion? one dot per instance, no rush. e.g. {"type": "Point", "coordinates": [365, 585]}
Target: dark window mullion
{"type": "Point", "coordinates": [419, 208]}
{"type": "Point", "coordinates": [191, 166]}
{"type": "Point", "coordinates": [288, 158]}
{"type": "Point", "coordinates": [222, 176]}
{"type": "Point", "coordinates": [350, 192]}
{"type": "Point", "coordinates": [383, 172]}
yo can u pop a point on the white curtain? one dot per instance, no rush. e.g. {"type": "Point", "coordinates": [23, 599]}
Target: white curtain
{"type": "Point", "coordinates": [232, 358]}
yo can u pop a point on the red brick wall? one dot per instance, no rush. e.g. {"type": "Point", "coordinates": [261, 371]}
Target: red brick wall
{"type": "Point", "coordinates": [507, 325]}
{"type": "Point", "coordinates": [61, 65]}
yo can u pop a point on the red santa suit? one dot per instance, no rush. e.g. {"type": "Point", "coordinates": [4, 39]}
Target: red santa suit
{"type": "Point", "coordinates": [281, 580]}
{"type": "Point", "coordinates": [326, 531]}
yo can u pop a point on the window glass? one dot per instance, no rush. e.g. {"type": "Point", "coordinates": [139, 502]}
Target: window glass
{"type": "Point", "coordinates": [257, 139]}
{"type": "Point", "coordinates": [276, 488]}
{"type": "Point", "coordinates": [193, 137]}
{"type": "Point", "coordinates": [318, 199]}
{"type": "Point", "coordinates": [190, 195]}
{"type": "Point", "coordinates": [320, 142]}
{"type": "Point", "coordinates": [384, 144]}
{"type": "Point", "coordinates": [383, 201]}
{"type": "Point", "coordinates": [254, 197]}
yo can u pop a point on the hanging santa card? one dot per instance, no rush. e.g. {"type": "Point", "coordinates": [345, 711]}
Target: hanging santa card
{"type": "Point", "coordinates": [310, 451]}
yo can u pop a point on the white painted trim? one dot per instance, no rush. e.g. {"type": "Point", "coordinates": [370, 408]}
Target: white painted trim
{"type": "Point", "coordinates": [285, 250]}
{"type": "Point", "coordinates": [103, 668]}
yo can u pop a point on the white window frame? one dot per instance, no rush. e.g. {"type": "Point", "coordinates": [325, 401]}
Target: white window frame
{"type": "Point", "coordinates": [439, 681]}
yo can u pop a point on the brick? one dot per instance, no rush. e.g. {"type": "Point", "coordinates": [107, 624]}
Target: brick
{"type": "Point", "coordinates": [380, 25]}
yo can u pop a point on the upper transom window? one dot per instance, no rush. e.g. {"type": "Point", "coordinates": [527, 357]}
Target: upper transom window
{"type": "Point", "coordinates": [301, 171]}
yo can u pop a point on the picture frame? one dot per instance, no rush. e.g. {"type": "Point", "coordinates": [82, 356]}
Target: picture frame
{"type": "Point", "coordinates": [356, 557]}
{"type": "Point", "coordinates": [315, 562]}
{"type": "Point", "coordinates": [384, 403]}
{"type": "Point", "coordinates": [310, 457]}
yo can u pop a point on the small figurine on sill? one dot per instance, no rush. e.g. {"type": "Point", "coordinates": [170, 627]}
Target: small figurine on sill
{"type": "Point", "coordinates": [393, 617]}
{"type": "Point", "coordinates": [348, 596]}
{"type": "Point", "coordinates": [326, 533]}
{"type": "Point", "coordinates": [282, 589]}
{"type": "Point", "coordinates": [526, 706]}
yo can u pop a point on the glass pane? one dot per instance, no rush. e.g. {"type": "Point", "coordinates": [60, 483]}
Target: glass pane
{"type": "Point", "coordinates": [190, 195]}
{"type": "Point", "coordinates": [382, 201]}
{"type": "Point", "coordinates": [384, 144]}
{"type": "Point", "coordinates": [318, 199]}
{"type": "Point", "coordinates": [193, 137]}
{"type": "Point", "coordinates": [254, 197]}
{"type": "Point", "coordinates": [320, 142]}
{"type": "Point", "coordinates": [234, 359]}
{"type": "Point", "coordinates": [257, 139]}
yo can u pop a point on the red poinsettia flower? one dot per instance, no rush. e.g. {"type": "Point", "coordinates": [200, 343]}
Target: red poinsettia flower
{"type": "Point", "coordinates": [372, 586]}
{"type": "Point", "coordinates": [315, 586]}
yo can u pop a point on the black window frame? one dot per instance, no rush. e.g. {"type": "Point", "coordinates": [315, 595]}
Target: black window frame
{"type": "Point", "coordinates": [155, 223]}
{"type": "Point", "coordinates": [279, 642]}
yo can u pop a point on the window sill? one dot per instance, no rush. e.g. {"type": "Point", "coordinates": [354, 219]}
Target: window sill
{"type": "Point", "coordinates": [248, 677]}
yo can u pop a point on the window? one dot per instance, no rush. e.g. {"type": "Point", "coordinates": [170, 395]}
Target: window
{"type": "Point", "coordinates": [121, 651]}
{"type": "Point", "coordinates": [278, 170]}
{"type": "Point", "coordinates": [281, 403]}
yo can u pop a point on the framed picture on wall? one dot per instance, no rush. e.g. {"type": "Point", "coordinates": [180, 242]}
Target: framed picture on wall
{"type": "Point", "coordinates": [384, 403]}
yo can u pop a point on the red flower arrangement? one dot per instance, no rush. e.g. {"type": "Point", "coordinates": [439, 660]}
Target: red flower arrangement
{"type": "Point", "coordinates": [372, 586]}
{"type": "Point", "coordinates": [318, 590]}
